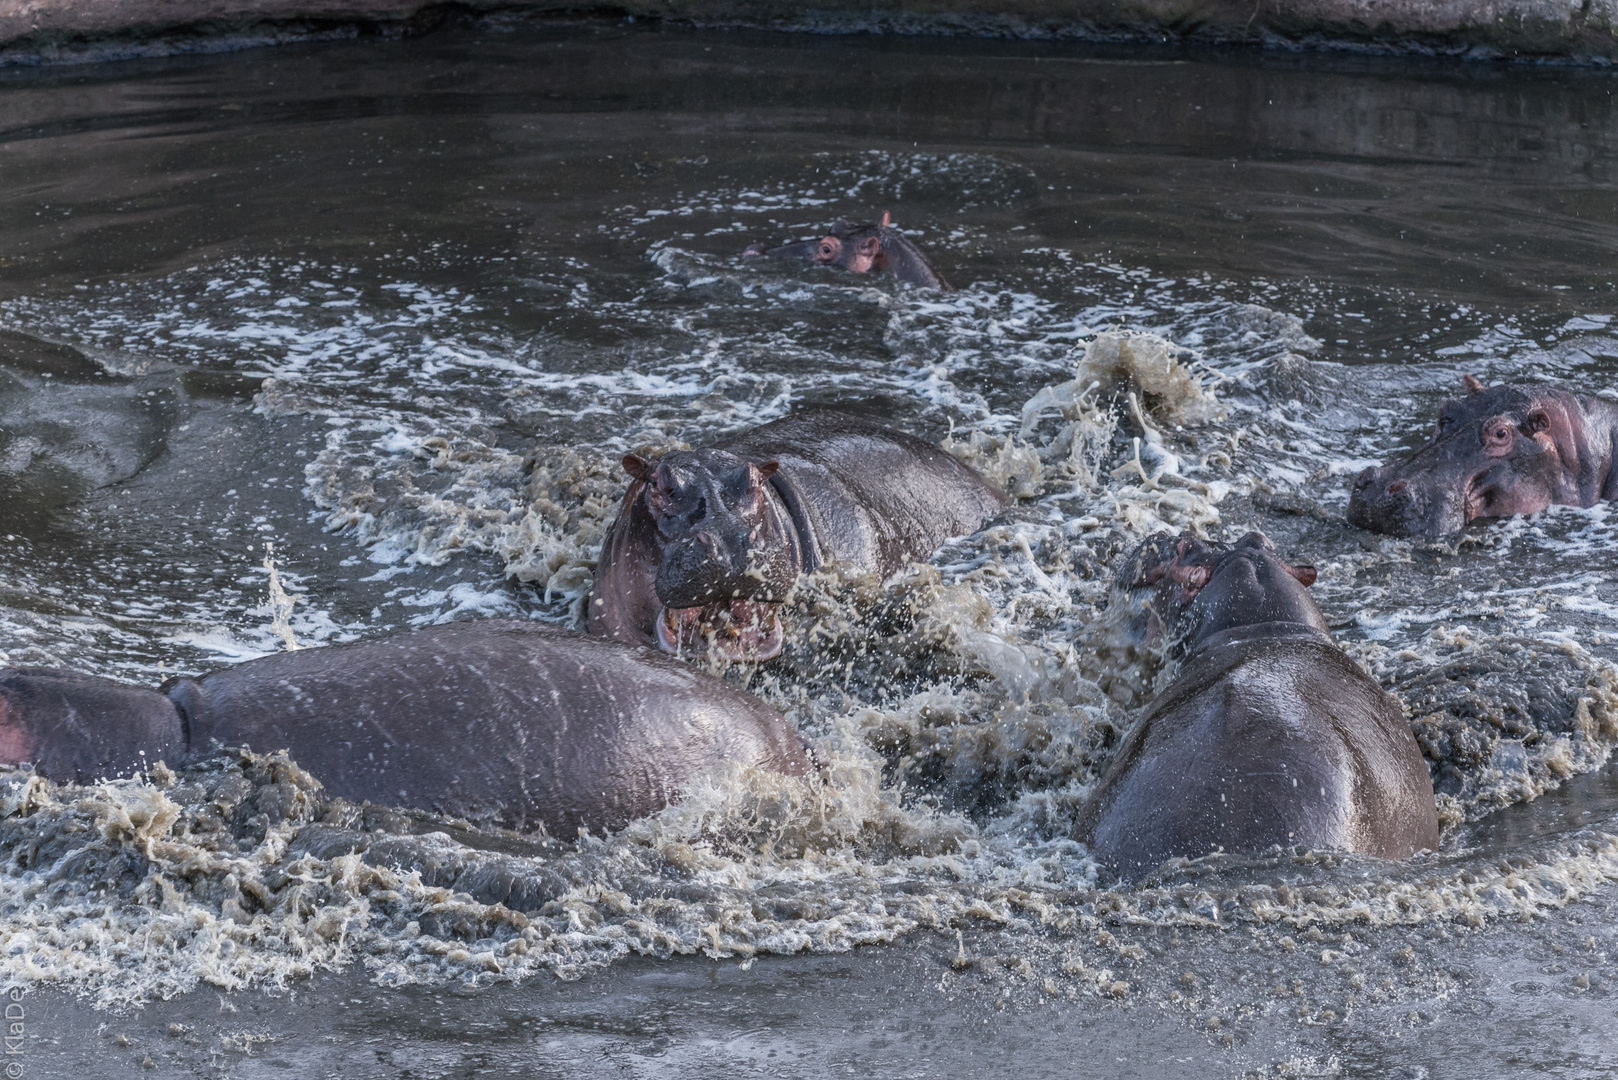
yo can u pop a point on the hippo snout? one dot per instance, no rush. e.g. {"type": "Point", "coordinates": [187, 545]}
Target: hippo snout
{"type": "Point", "coordinates": [1381, 504]}
{"type": "Point", "coordinates": [696, 570]}
{"type": "Point", "coordinates": [1385, 502]}
{"type": "Point", "coordinates": [711, 567]}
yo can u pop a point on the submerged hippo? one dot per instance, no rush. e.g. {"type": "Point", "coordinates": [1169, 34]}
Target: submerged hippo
{"type": "Point", "coordinates": [863, 249]}
{"type": "Point", "coordinates": [503, 721]}
{"type": "Point", "coordinates": [1268, 736]}
{"type": "Point", "coordinates": [708, 543]}
{"type": "Point", "coordinates": [1499, 451]}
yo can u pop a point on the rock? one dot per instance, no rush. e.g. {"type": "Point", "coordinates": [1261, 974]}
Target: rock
{"type": "Point", "coordinates": [33, 30]}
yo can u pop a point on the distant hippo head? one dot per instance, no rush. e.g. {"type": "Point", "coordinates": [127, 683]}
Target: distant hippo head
{"type": "Point", "coordinates": [1498, 451]}
{"type": "Point", "coordinates": [854, 248]}
{"type": "Point", "coordinates": [727, 557]}
{"type": "Point", "coordinates": [1200, 587]}
{"type": "Point", "coordinates": [862, 249]}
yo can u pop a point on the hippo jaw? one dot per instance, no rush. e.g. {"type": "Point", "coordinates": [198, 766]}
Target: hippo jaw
{"type": "Point", "coordinates": [743, 631]}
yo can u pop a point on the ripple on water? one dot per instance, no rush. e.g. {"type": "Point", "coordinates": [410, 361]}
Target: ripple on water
{"type": "Point", "coordinates": [965, 708]}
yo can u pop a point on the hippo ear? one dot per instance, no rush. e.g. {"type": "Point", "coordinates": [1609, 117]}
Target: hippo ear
{"type": "Point", "coordinates": [767, 469]}
{"type": "Point", "coordinates": [887, 220]}
{"type": "Point", "coordinates": [1306, 575]}
{"type": "Point", "coordinates": [870, 246]}
{"type": "Point", "coordinates": [638, 467]}
{"type": "Point", "coordinates": [1473, 386]}
{"type": "Point", "coordinates": [1536, 421]}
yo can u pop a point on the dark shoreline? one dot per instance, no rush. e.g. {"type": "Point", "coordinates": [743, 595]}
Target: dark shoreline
{"type": "Point", "coordinates": [51, 32]}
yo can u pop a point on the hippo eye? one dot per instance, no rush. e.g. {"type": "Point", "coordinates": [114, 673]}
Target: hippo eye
{"type": "Point", "coordinates": [826, 250]}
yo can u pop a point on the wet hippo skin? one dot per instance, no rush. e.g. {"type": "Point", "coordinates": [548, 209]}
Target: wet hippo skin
{"type": "Point", "coordinates": [508, 721]}
{"type": "Point", "coordinates": [1497, 452]}
{"type": "Point", "coordinates": [871, 248]}
{"type": "Point", "coordinates": [1268, 736]}
{"type": "Point", "coordinates": [708, 543]}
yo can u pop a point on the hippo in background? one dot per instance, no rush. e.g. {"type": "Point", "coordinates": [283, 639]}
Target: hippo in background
{"type": "Point", "coordinates": [1497, 452]}
{"type": "Point", "coordinates": [708, 543]}
{"type": "Point", "coordinates": [1268, 736]}
{"type": "Point", "coordinates": [498, 720]}
{"type": "Point", "coordinates": [862, 249]}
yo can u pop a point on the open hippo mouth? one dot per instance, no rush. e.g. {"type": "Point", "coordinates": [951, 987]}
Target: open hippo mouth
{"type": "Point", "coordinates": [1482, 500]}
{"type": "Point", "coordinates": [744, 631]}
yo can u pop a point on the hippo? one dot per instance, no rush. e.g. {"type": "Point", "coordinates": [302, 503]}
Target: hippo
{"type": "Point", "coordinates": [1269, 735]}
{"type": "Point", "coordinates": [1499, 451]}
{"type": "Point", "coordinates": [501, 721]}
{"type": "Point", "coordinates": [862, 249]}
{"type": "Point", "coordinates": [708, 543]}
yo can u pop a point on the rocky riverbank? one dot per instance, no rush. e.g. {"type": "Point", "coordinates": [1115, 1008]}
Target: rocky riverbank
{"type": "Point", "coordinates": [47, 31]}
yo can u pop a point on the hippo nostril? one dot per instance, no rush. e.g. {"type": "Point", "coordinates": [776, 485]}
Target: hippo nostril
{"type": "Point", "coordinates": [1397, 486]}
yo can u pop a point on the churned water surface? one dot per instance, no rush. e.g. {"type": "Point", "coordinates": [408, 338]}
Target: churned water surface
{"type": "Point", "coordinates": [380, 318]}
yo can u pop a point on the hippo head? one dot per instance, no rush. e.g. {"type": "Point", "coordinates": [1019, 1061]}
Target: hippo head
{"type": "Point", "coordinates": [856, 248]}
{"type": "Point", "coordinates": [726, 552]}
{"type": "Point", "coordinates": [1498, 451]}
{"type": "Point", "coordinates": [1199, 587]}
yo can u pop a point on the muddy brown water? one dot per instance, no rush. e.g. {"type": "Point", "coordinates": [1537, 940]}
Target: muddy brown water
{"type": "Point", "coordinates": [386, 312]}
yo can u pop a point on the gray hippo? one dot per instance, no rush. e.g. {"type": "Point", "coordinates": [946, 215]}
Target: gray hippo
{"type": "Point", "coordinates": [1268, 734]}
{"type": "Point", "coordinates": [1499, 451]}
{"type": "Point", "coordinates": [862, 249]}
{"type": "Point", "coordinates": [708, 543]}
{"type": "Point", "coordinates": [505, 721]}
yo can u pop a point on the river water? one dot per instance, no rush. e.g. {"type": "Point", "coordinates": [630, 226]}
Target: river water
{"type": "Point", "coordinates": [379, 317]}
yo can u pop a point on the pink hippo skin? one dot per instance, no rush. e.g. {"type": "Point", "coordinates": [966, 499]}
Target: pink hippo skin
{"type": "Point", "coordinates": [1499, 451]}
{"type": "Point", "coordinates": [862, 249]}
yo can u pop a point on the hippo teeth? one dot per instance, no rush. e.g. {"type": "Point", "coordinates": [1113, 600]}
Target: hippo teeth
{"type": "Point", "coordinates": [743, 631]}
{"type": "Point", "coordinates": [1472, 504]}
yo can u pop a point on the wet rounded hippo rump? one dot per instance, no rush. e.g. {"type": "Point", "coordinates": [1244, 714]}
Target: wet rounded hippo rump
{"type": "Point", "coordinates": [709, 542]}
{"type": "Point", "coordinates": [1511, 28]}
{"type": "Point", "coordinates": [1497, 452]}
{"type": "Point", "coordinates": [1268, 737]}
{"type": "Point", "coordinates": [496, 720]}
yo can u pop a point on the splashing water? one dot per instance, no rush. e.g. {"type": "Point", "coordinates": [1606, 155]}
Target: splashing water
{"type": "Point", "coordinates": [461, 415]}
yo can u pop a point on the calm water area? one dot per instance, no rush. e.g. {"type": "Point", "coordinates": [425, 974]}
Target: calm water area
{"type": "Point", "coordinates": [383, 315]}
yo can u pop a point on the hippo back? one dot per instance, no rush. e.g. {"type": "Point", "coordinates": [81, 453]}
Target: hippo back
{"type": "Point", "coordinates": [492, 720]}
{"type": "Point", "coordinates": [1273, 740]}
{"type": "Point", "coordinates": [866, 494]}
